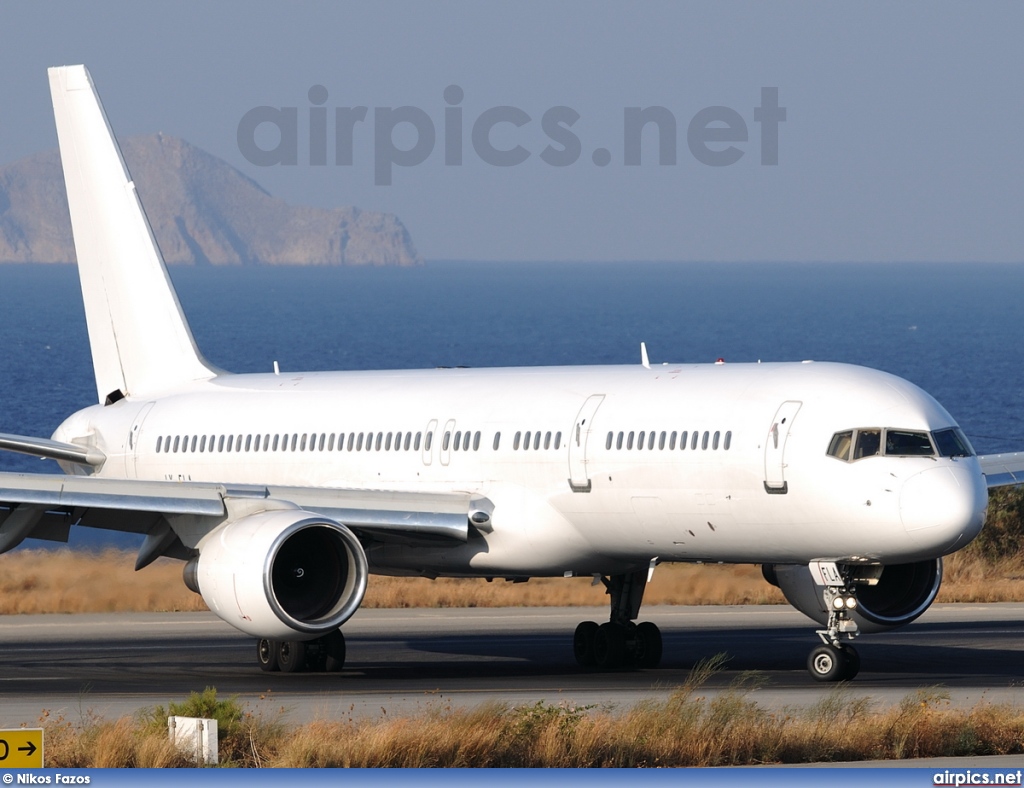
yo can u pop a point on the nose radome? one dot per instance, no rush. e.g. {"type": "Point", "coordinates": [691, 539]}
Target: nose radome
{"type": "Point", "coordinates": [944, 506]}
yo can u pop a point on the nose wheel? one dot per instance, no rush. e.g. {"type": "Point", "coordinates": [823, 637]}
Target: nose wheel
{"type": "Point", "coordinates": [833, 663]}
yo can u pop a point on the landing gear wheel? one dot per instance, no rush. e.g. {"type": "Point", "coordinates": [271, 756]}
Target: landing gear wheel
{"type": "Point", "coordinates": [610, 646]}
{"type": "Point", "coordinates": [583, 644]}
{"type": "Point", "coordinates": [333, 646]}
{"type": "Point", "coordinates": [852, 662]}
{"type": "Point", "coordinates": [828, 663]}
{"type": "Point", "coordinates": [291, 656]}
{"type": "Point", "coordinates": [266, 654]}
{"type": "Point", "coordinates": [648, 646]}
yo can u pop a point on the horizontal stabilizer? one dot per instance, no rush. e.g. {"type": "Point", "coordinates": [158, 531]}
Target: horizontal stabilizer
{"type": "Point", "coordinates": [47, 449]}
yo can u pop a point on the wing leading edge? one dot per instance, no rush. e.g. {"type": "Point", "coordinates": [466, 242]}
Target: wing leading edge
{"type": "Point", "coordinates": [175, 516]}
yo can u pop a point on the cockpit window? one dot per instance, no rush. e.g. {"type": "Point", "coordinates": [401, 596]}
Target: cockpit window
{"type": "Point", "coordinates": [853, 445]}
{"type": "Point", "coordinates": [953, 443]}
{"type": "Point", "coordinates": [840, 445]}
{"type": "Point", "coordinates": [869, 443]}
{"type": "Point", "coordinates": [902, 443]}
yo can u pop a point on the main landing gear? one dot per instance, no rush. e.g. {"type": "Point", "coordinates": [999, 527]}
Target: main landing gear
{"type": "Point", "coordinates": [835, 660]}
{"type": "Point", "coordinates": [619, 642]}
{"type": "Point", "coordinates": [324, 655]}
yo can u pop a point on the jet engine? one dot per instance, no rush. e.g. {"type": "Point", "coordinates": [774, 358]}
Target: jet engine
{"type": "Point", "coordinates": [893, 598]}
{"type": "Point", "coordinates": [282, 574]}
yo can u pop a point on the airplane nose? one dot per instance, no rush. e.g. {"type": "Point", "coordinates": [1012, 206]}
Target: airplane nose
{"type": "Point", "coordinates": [944, 507]}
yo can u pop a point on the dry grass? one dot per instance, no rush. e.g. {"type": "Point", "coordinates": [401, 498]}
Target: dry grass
{"type": "Point", "coordinates": [681, 728]}
{"type": "Point", "coordinates": [37, 581]}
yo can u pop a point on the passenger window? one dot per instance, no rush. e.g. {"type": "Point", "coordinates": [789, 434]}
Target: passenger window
{"type": "Point", "coordinates": [728, 440]}
{"type": "Point", "coordinates": [220, 443]}
{"type": "Point", "coordinates": [618, 440]}
{"type": "Point", "coordinates": [607, 443]}
{"type": "Point", "coordinates": [177, 441]}
{"type": "Point", "coordinates": [693, 441]}
{"type": "Point", "coordinates": [408, 441]}
{"type": "Point", "coordinates": [387, 442]}
{"type": "Point", "coordinates": [159, 443]}
{"type": "Point", "coordinates": [380, 437]}
{"type": "Point", "coordinates": [277, 442]}
{"type": "Point", "coordinates": [650, 440]}
{"type": "Point", "coordinates": [714, 441]}
{"type": "Point", "coordinates": [497, 440]}
{"type": "Point", "coordinates": [515, 441]}
{"type": "Point", "coordinates": [231, 443]}
{"type": "Point", "coordinates": [330, 443]}
{"type": "Point", "coordinates": [869, 444]}
{"type": "Point", "coordinates": [902, 443]}
{"type": "Point", "coordinates": [447, 441]}
{"type": "Point", "coordinates": [536, 440]}
{"type": "Point", "coordinates": [684, 436]}
{"type": "Point", "coordinates": [359, 442]}
{"type": "Point", "coordinates": [429, 441]}
{"type": "Point", "coordinates": [661, 441]}
{"type": "Point", "coordinates": [672, 441]}
{"type": "Point", "coordinates": [476, 441]}
{"type": "Point", "coordinates": [640, 440]}
{"type": "Point", "coordinates": [202, 445]}
{"type": "Point", "coordinates": [351, 441]}
{"type": "Point", "coordinates": [558, 440]}
{"type": "Point", "coordinates": [458, 440]}
{"type": "Point", "coordinates": [629, 440]}
{"type": "Point", "coordinates": [704, 443]}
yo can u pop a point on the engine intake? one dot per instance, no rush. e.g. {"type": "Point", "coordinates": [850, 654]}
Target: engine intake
{"type": "Point", "coordinates": [281, 574]}
{"type": "Point", "coordinates": [903, 592]}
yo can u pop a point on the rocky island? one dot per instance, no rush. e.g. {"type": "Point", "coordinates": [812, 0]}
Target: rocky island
{"type": "Point", "coordinates": [203, 212]}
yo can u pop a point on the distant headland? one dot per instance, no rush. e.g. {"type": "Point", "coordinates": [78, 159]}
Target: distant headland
{"type": "Point", "coordinates": [203, 212]}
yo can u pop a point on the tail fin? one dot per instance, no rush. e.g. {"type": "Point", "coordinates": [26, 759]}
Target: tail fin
{"type": "Point", "coordinates": [141, 342]}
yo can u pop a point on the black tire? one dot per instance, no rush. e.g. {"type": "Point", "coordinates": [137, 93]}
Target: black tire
{"type": "Point", "coordinates": [291, 656]}
{"type": "Point", "coordinates": [827, 663]}
{"type": "Point", "coordinates": [266, 654]}
{"type": "Point", "coordinates": [648, 645]}
{"type": "Point", "coordinates": [583, 644]}
{"type": "Point", "coordinates": [610, 646]}
{"type": "Point", "coordinates": [334, 651]}
{"type": "Point", "coordinates": [852, 663]}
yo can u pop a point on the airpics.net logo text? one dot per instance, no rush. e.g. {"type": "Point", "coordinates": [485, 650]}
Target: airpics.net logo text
{"type": "Point", "coordinates": [406, 136]}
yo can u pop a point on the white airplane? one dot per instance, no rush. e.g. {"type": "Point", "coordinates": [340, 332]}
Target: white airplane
{"type": "Point", "coordinates": [283, 492]}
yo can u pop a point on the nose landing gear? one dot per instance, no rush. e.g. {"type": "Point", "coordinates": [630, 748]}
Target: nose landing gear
{"type": "Point", "coordinates": [619, 642]}
{"type": "Point", "coordinates": [835, 660]}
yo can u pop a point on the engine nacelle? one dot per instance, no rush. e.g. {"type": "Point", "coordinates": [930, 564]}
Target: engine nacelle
{"type": "Point", "coordinates": [282, 574]}
{"type": "Point", "coordinates": [903, 592]}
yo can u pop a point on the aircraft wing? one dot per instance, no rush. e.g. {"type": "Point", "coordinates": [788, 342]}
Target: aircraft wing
{"type": "Point", "coordinates": [46, 506]}
{"type": "Point", "coordinates": [1003, 470]}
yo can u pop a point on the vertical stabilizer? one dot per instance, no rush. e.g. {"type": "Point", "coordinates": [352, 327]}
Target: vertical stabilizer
{"type": "Point", "coordinates": [141, 342]}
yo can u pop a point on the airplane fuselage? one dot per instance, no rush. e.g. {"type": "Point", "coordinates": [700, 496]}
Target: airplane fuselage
{"type": "Point", "coordinates": [589, 469]}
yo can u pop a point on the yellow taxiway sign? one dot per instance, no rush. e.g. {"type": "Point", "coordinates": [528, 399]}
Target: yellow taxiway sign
{"type": "Point", "coordinates": [21, 748]}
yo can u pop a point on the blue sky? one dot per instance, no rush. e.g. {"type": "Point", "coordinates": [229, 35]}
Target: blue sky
{"type": "Point", "coordinates": [902, 138]}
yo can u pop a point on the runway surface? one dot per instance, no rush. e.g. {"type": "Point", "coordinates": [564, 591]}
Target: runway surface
{"type": "Point", "coordinates": [403, 661]}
